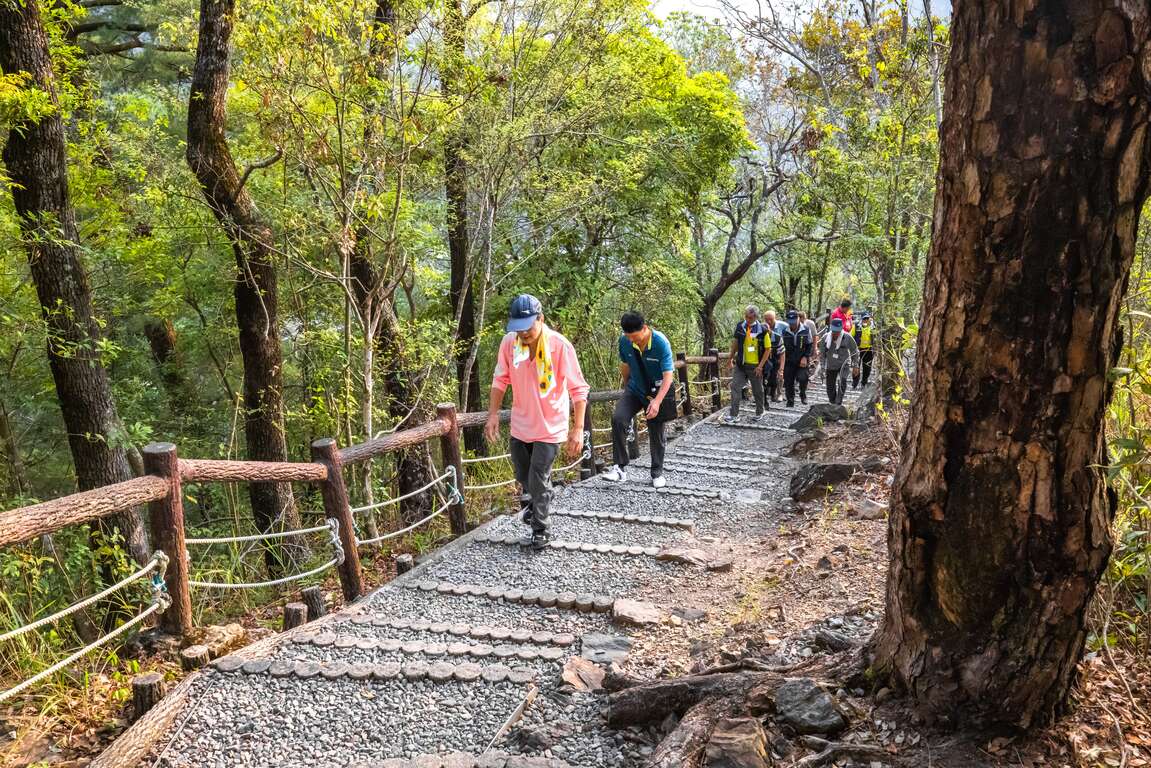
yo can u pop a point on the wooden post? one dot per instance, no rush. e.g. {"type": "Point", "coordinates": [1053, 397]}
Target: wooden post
{"type": "Point", "coordinates": [147, 690]}
{"type": "Point", "coordinates": [167, 517]}
{"type": "Point", "coordinates": [587, 466]}
{"type": "Point", "coordinates": [295, 614]}
{"type": "Point", "coordinates": [716, 390]}
{"type": "Point", "coordinates": [404, 563]}
{"type": "Point", "coordinates": [685, 382]}
{"type": "Point", "coordinates": [336, 507]}
{"type": "Point", "coordinates": [450, 450]}
{"type": "Point", "coordinates": [314, 599]}
{"type": "Point", "coordinates": [194, 657]}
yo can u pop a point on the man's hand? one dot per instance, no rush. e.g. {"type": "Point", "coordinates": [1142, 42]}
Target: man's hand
{"type": "Point", "coordinates": [731, 363]}
{"type": "Point", "coordinates": [803, 362]}
{"type": "Point", "coordinates": [653, 409]}
{"type": "Point", "coordinates": [759, 371]}
{"type": "Point", "coordinates": [492, 428]}
{"type": "Point", "coordinates": [855, 372]}
{"type": "Point", "coordinates": [574, 445]}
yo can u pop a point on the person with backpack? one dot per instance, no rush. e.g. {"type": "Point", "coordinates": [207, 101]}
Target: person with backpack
{"type": "Point", "coordinates": [548, 387]}
{"type": "Point", "coordinates": [865, 340]}
{"type": "Point", "coordinates": [647, 372]}
{"type": "Point", "coordinates": [749, 355]}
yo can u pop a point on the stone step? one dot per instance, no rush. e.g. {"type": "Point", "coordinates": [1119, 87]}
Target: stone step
{"type": "Point", "coordinates": [671, 464]}
{"type": "Point", "coordinates": [668, 490]}
{"type": "Point", "coordinates": [702, 455]}
{"type": "Point", "coordinates": [457, 649]}
{"type": "Point", "coordinates": [449, 631]}
{"type": "Point", "coordinates": [583, 602]}
{"type": "Point", "coordinates": [617, 517]}
{"type": "Point", "coordinates": [437, 672]}
{"type": "Point", "coordinates": [515, 540]}
{"type": "Point", "coordinates": [492, 759]}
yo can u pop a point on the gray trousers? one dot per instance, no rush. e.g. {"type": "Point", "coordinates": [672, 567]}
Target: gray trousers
{"type": "Point", "coordinates": [622, 419]}
{"type": "Point", "coordinates": [740, 376]}
{"type": "Point", "coordinates": [532, 463]}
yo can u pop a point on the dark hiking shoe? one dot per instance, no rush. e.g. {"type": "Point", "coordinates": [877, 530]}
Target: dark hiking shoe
{"type": "Point", "coordinates": [540, 541]}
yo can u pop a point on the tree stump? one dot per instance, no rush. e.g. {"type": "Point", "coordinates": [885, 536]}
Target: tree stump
{"type": "Point", "coordinates": [404, 563]}
{"type": "Point", "coordinates": [194, 657]}
{"type": "Point", "coordinates": [314, 599]}
{"type": "Point", "coordinates": [295, 614]}
{"type": "Point", "coordinates": [147, 690]}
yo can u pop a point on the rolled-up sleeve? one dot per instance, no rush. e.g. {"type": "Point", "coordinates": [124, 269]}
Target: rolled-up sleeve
{"type": "Point", "coordinates": [502, 376]}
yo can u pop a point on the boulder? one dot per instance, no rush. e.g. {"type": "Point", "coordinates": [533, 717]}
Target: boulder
{"type": "Point", "coordinates": [866, 407]}
{"type": "Point", "coordinates": [737, 742]}
{"type": "Point", "coordinates": [807, 708]}
{"type": "Point", "coordinates": [604, 649]}
{"type": "Point", "coordinates": [812, 480]}
{"type": "Point", "coordinates": [869, 509]}
{"type": "Point", "coordinates": [583, 675]}
{"type": "Point", "coordinates": [685, 555]}
{"type": "Point", "coordinates": [222, 639]}
{"type": "Point", "coordinates": [634, 613]}
{"type": "Point", "coordinates": [721, 565]}
{"type": "Point", "coordinates": [818, 415]}
{"type": "Point", "coordinates": [690, 614]}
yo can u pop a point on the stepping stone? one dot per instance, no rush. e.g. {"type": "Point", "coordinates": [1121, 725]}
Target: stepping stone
{"type": "Point", "coordinates": [565, 600]}
{"type": "Point", "coordinates": [388, 670]}
{"type": "Point", "coordinates": [228, 663]}
{"type": "Point", "coordinates": [481, 633]}
{"type": "Point", "coordinates": [304, 638]}
{"type": "Point", "coordinates": [360, 671]}
{"type": "Point", "coordinates": [459, 649]}
{"type": "Point", "coordinates": [414, 670]}
{"type": "Point", "coordinates": [495, 673]}
{"type": "Point", "coordinates": [306, 669]}
{"type": "Point", "coordinates": [459, 630]}
{"type": "Point", "coordinates": [389, 644]}
{"type": "Point", "coordinates": [256, 666]}
{"type": "Point", "coordinates": [367, 644]}
{"type": "Point", "coordinates": [521, 675]}
{"type": "Point", "coordinates": [324, 639]}
{"type": "Point", "coordinates": [467, 673]}
{"type": "Point", "coordinates": [334, 670]}
{"type": "Point", "coordinates": [547, 599]}
{"type": "Point", "coordinates": [481, 651]}
{"type": "Point", "coordinates": [346, 641]}
{"type": "Point", "coordinates": [435, 649]}
{"type": "Point", "coordinates": [440, 672]}
{"type": "Point", "coordinates": [281, 668]}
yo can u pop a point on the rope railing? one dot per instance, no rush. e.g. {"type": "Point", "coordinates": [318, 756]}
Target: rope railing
{"type": "Point", "coordinates": [160, 602]}
{"type": "Point", "coordinates": [489, 486]}
{"type": "Point", "coordinates": [158, 560]}
{"type": "Point", "coordinates": [704, 382]}
{"type": "Point", "coordinates": [333, 528]}
{"type": "Point", "coordinates": [260, 536]}
{"type": "Point", "coordinates": [481, 459]}
{"type": "Point", "coordinates": [406, 496]}
{"type": "Point", "coordinates": [395, 534]}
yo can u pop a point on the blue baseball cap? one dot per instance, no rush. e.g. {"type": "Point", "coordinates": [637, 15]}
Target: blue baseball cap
{"type": "Point", "coordinates": [792, 314]}
{"type": "Point", "coordinates": [837, 324]}
{"type": "Point", "coordinates": [523, 312]}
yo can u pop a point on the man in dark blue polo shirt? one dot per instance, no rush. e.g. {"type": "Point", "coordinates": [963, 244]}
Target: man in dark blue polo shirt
{"type": "Point", "coordinates": [647, 372]}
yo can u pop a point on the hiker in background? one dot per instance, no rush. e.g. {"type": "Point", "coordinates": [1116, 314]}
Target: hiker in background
{"type": "Point", "coordinates": [839, 348]}
{"type": "Point", "coordinates": [843, 314]}
{"type": "Point", "coordinates": [647, 372]}
{"type": "Point", "coordinates": [773, 371]}
{"type": "Point", "coordinates": [548, 386]}
{"type": "Point", "coordinates": [813, 367]}
{"type": "Point", "coordinates": [797, 349]}
{"type": "Point", "coordinates": [865, 340]}
{"type": "Point", "coordinates": [749, 354]}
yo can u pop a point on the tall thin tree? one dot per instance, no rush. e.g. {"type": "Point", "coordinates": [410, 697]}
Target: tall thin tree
{"type": "Point", "coordinates": [1001, 513]}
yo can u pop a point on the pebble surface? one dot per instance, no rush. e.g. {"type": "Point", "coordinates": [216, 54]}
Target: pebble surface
{"type": "Point", "coordinates": [426, 670]}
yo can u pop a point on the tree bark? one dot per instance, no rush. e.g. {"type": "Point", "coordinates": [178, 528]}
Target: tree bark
{"type": "Point", "coordinates": [1000, 524]}
{"type": "Point", "coordinates": [255, 289]}
{"type": "Point", "coordinates": [460, 291]}
{"type": "Point", "coordinates": [36, 162]}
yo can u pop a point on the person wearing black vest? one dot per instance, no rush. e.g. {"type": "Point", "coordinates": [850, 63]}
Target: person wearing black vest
{"type": "Point", "coordinates": [750, 351]}
{"type": "Point", "coordinates": [773, 371]}
{"type": "Point", "coordinates": [647, 370]}
{"type": "Point", "coordinates": [797, 350]}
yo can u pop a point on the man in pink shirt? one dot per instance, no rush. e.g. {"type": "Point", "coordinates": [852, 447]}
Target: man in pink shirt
{"type": "Point", "coordinates": [547, 385]}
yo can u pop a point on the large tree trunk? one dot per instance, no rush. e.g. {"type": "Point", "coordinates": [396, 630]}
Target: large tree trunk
{"type": "Point", "coordinates": [1000, 524]}
{"type": "Point", "coordinates": [255, 289]}
{"type": "Point", "coordinates": [460, 290]}
{"type": "Point", "coordinates": [36, 163]}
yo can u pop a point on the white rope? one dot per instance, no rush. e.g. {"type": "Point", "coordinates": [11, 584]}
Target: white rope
{"type": "Point", "coordinates": [601, 429]}
{"type": "Point", "coordinates": [489, 486]}
{"type": "Point", "coordinates": [159, 559]}
{"type": "Point", "coordinates": [408, 495]}
{"type": "Point", "coordinates": [601, 445]}
{"type": "Point", "coordinates": [479, 459]}
{"type": "Point", "coordinates": [160, 602]}
{"type": "Point", "coordinates": [333, 528]}
{"type": "Point", "coordinates": [259, 536]}
{"type": "Point", "coordinates": [585, 456]}
{"type": "Point", "coordinates": [707, 382]}
{"type": "Point", "coordinates": [402, 531]}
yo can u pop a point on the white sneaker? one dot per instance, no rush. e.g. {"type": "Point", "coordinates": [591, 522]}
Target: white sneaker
{"type": "Point", "coordinates": [658, 482]}
{"type": "Point", "coordinates": [615, 475]}
{"type": "Point", "coordinates": [729, 419]}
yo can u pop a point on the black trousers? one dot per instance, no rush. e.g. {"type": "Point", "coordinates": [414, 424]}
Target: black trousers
{"type": "Point", "coordinates": [622, 419]}
{"type": "Point", "coordinates": [865, 358]}
{"type": "Point", "coordinates": [771, 377]}
{"type": "Point", "coordinates": [792, 373]}
{"type": "Point", "coordinates": [836, 385]}
{"type": "Point", "coordinates": [532, 464]}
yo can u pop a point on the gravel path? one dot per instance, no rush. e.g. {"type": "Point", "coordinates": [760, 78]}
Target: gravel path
{"type": "Point", "coordinates": [438, 661]}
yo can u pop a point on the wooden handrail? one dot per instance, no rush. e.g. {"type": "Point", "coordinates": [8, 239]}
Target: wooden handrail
{"type": "Point", "coordinates": [393, 442]}
{"type": "Point", "coordinates": [24, 523]}
{"type": "Point", "coordinates": [227, 471]}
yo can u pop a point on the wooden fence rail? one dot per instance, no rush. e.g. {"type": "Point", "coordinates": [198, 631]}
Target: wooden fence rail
{"type": "Point", "coordinates": [162, 489]}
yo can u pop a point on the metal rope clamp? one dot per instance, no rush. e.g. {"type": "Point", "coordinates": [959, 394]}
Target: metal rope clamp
{"type": "Point", "coordinates": [457, 495]}
{"type": "Point", "coordinates": [334, 534]}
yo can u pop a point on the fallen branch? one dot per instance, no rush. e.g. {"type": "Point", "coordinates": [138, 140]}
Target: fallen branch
{"type": "Point", "coordinates": [684, 747]}
{"type": "Point", "coordinates": [833, 750]}
{"type": "Point", "coordinates": [655, 701]}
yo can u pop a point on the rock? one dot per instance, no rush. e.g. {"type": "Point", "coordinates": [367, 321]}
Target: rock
{"type": "Point", "coordinates": [223, 639]}
{"type": "Point", "coordinates": [812, 480]}
{"type": "Point", "coordinates": [803, 705]}
{"type": "Point", "coordinates": [865, 408]}
{"type": "Point", "coordinates": [685, 555]}
{"type": "Point", "coordinates": [604, 649]}
{"type": "Point", "coordinates": [690, 614]}
{"type": "Point", "coordinates": [737, 743]}
{"type": "Point", "coordinates": [818, 415]}
{"type": "Point", "coordinates": [824, 564]}
{"type": "Point", "coordinates": [834, 641]}
{"type": "Point", "coordinates": [583, 675]}
{"type": "Point", "coordinates": [723, 565]}
{"type": "Point", "coordinates": [634, 613]}
{"type": "Point", "coordinates": [869, 509]}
